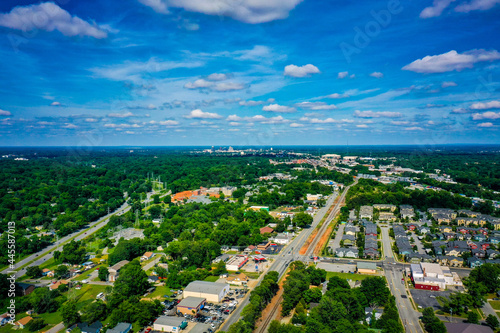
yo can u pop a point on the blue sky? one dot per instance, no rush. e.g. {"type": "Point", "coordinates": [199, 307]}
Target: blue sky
{"type": "Point", "coordinates": [249, 72]}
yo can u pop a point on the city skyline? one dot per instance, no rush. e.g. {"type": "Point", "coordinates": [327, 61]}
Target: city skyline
{"type": "Point", "coordinates": [172, 72]}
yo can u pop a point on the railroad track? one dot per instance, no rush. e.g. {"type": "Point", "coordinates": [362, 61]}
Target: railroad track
{"type": "Point", "coordinates": [331, 216]}
{"type": "Point", "coordinates": [272, 314]}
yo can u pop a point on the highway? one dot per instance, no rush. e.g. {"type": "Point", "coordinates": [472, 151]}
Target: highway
{"type": "Point", "coordinates": [47, 253]}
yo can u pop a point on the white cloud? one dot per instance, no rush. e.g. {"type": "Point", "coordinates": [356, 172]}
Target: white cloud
{"type": "Point", "coordinates": [278, 108]}
{"type": "Point", "coordinates": [200, 83]}
{"type": "Point", "coordinates": [255, 103]}
{"type": "Point", "coordinates": [377, 75]}
{"type": "Point", "coordinates": [342, 75]}
{"type": "Point", "coordinates": [221, 86]}
{"type": "Point", "coordinates": [315, 106]}
{"type": "Point", "coordinates": [362, 126]}
{"type": "Point", "coordinates": [398, 123]}
{"type": "Point", "coordinates": [381, 114]}
{"type": "Point", "coordinates": [248, 11]}
{"type": "Point", "coordinates": [5, 113]}
{"type": "Point", "coordinates": [300, 71]}
{"type": "Point", "coordinates": [49, 17]}
{"type": "Point", "coordinates": [198, 114]}
{"type": "Point", "coordinates": [121, 115]}
{"type": "Point", "coordinates": [135, 71]}
{"type": "Point", "coordinates": [217, 77]}
{"type": "Point", "coordinates": [485, 125]}
{"type": "Point", "coordinates": [337, 96]}
{"type": "Point", "coordinates": [228, 86]}
{"type": "Point", "coordinates": [234, 117]}
{"type": "Point", "coordinates": [55, 104]}
{"type": "Point", "coordinates": [158, 6]}
{"type": "Point", "coordinates": [486, 115]}
{"type": "Point", "coordinates": [436, 9]}
{"type": "Point", "coordinates": [121, 126]}
{"type": "Point", "coordinates": [485, 106]}
{"type": "Point", "coordinates": [234, 123]}
{"type": "Point", "coordinates": [234, 130]}
{"type": "Point", "coordinates": [164, 122]}
{"type": "Point", "coordinates": [447, 84]}
{"type": "Point", "coordinates": [70, 126]}
{"type": "Point", "coordinates": [451, 61]}
{"type": "Point", "coordinates": [129, 132]}
{"type": "Point", "coordinates": [91, 120]}
{"type": "Point", "coordinates": [414, 128]}
{"type": "Point", "coordinates": [296, 125]}
{"type": "Point", "coordinates": [476, 5]}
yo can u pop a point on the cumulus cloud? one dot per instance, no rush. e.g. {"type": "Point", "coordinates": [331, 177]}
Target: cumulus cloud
{"type": "Point", "coordinates": [476, 5]}
{"type": "Point", "coordinates": [486, 115]}
{"type": "Point", "coordinates": [342, 75]}
{"type": "Point", "coordinates": [69, 126]}
{"type": "Point", "coordinates": [326, 120]}
{"type": "Point", "coordinates": [451, 61]}
{"type": "Point", "coordinates": [55, 104]}
{"type": "Point", "coordinates": [300, 71]}
{"type": "Point", "coordinates": [219, 86]}
{"type": "Point", "coordinates": [296, 125]}
{"type": "Point", "coordinates": [315, 106]}
{"type": "Point", "coordinates": [255, 103]}
{"type": "Point", "coordinates": [121, 115]}
{"type": "Point", "coordinates": [485, 125]}
{"type": "Point", "coordinates": [485, 106]}
{"type": "Point", "coordinates": [447, 84]}
{"type": "Point", "coordinates": [91, 120]}
{"type": "Point", "coordinates": [362, 126]}
{"type": "Point", "coordinates": [198, 114]}
{"type": "Point", "coordinates": [234, 117]}
{"type": "Point", "coordinates": [377, 75]}
{"type": "Point", "coordinates": [414, 128]}
{"type": "Point", "coordinates": [228, 86]}
{"type": "Point", "coordinates": [337, 96]}
{"type": "Point", "coordinates": [218, 77]}
{"type": "Point", "coordinates": [399, 123]}
{"type": "Point", "coordinates": [381, 114]}
{"type": "Point", "coordinates": [436, 9]}
{"type": "Point", "coordinates": [48, 16]}
{"type": "Point", "coordinates": [164, 122]}
{"type": "Point", "coordinates": [278, 108]}
{"type": "Point", "coordinates": [248, 11]}
{"type": "Point", "coordinates": [5, 113]}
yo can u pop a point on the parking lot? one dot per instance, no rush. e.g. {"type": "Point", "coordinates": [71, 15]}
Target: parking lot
{"type": "Point", "coordinates": [339, 268]}
{"type": "Point", "coordinates": [428, 298]}
{"type": "Point", "coordinates": [212, 315]}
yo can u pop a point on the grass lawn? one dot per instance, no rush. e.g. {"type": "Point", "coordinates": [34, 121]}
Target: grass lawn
{"type": "Point", "coordinates": [51, 318]}
{"type": "Point", "coordinates": [85, 275]}
{"type": "Point", "coordinates": [48, 264]}
{"type": "Point", "coordinates": [253, 275]}
{"type": "Point", "coordinates": [347, 276]}
{"type": "Point", "coordinates": [211, 278]}
{"type": "Point", "coordinates": [88, 294]}
{"type": "Point", "coordinates": [160, 291]}
{"type": "Point", "coordinates": [495, 305]}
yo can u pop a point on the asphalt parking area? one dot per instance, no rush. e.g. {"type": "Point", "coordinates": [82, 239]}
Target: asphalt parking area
{"type": "Point", "coordinates": [428, 298]}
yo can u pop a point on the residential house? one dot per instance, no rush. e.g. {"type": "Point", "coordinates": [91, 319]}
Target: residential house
{"type": "Point", "coordinates": [24, 288]}
{"type": "Point", "coordinates": [47, 272]}
{"type": "Point", "coordinates": [21, 323]}
{"type": "Point", "coordinates": [346, 252]}
{"type": "Point", "coordinates": [387, 207]}
{"type": "Point", "coordinates": [147, 256]}
{"type": "Point", "coordinates": [366, 212]}
{"type": "Point", "coordinates": [114, 270]}
{"type": "Point", "coordinates": [371, 253]}
{"type": "Point", "coordinates": [386, 216]}
{"type": "Point", "coordinates": [406, 211]}
{"type": "Point", "coordinates": [348, 240]}
{"type": "Point", "coordinates": [444, 229]}
{"type": "Point", "coordinates": [474, 262]}
{"type": "Point", "coordinates": [240, 279]}
{"type": "Point", "coordinates": [58, 283]}
{"type": "Point", "coordinates": [266, 230]}
{"type": "Point", "coordinates": [372, 313]}
{"type": "Point", "coordinates": [479, 253]}
{"type": "Point", "coordinates": [120, 328]}
{"type": "Point", "coordinates": [87, 328]}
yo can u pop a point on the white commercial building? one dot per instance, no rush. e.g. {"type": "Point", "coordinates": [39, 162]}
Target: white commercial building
{"type": "Point", "coordinates": [431, 276]}
{"type": "Point", "coordinates": [212, 291]}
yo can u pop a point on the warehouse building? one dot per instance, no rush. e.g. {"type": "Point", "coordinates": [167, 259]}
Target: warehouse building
{"type": "Point", "coordinates": [169, 324]}
{"type": "Point", "coordinates": [211, 291]}
{"type": "Point", "coordinates": [191, 305]}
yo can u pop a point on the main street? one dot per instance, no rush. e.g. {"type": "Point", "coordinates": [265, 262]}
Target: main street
{"type": "Point", "coordinates": [291, 251]}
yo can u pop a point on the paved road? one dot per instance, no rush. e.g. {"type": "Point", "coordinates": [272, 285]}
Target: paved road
{"type": "Point", "coordinates": [418, 243]}
{"type": "Point", "coordinates": [488, 309]}
{"type": "Point", "coordinates": [394, 274]}
{"type": "Point", "coordinates": [46, 254]}
{"type": "Point", "coordinates": [281, 261]}
{"type": "Point", "coordinates": [57, 328]}
{"type": "Point", "coordinates": [338, 238]}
